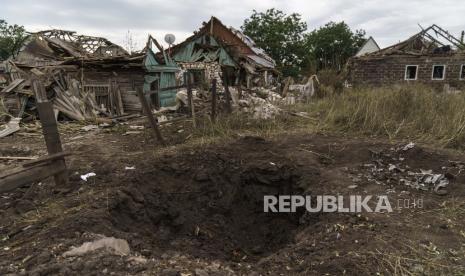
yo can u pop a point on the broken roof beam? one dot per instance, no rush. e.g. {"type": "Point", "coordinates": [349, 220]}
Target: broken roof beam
{"type": "Point", "coordinates": [448, 36]}
{"type": "Point", "coordinates": [444, 34]}
{"type": "Point", "coordinates": [90, 44]}
{"type": "Point", "coordinates": [149, 43]}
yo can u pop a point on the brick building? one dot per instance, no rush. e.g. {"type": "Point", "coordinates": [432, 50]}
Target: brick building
{"type": "Point", "coordinates": [423, 58]}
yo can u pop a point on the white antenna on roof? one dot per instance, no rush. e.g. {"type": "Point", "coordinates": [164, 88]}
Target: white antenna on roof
{"type": "Point", "coordinates": [170, 38]}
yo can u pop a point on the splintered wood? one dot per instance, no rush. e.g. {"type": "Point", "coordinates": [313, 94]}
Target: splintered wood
{"type": "Point", "coordinates": [68, 95]}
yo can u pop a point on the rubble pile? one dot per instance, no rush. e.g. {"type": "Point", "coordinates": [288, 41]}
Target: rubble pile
{"type": "Point", "coordinates": [65, 92]}
{"type": "Point", "coordinates": [260, 103]}
{"type": "Point", "coordinates": [389, 168]}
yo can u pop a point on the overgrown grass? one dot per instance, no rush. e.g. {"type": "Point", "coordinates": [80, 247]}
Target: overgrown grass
{"type": "Point", "coordinates": [241, 124]}
{"type": "Point", "coordinates": [413, 112]}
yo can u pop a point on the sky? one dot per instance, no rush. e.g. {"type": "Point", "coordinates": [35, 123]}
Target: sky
{"type": "Point", "coordinates": [388, 21]}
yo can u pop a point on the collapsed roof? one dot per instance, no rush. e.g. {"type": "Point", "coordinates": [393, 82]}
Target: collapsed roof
{"type": "Point", "coordinates": [432, 40]}
{"type": "Point", "coordinates": [216, 42]}
{"type": "Point", "coordinates": [52, 47]}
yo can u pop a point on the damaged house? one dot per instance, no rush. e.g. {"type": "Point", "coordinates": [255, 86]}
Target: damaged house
{"type": "Point", "coordinates": [215, 51]}
{"type": "Point", "coordinates": [86, 77]}
{"type": "Point", "coordinates": [433, 57]}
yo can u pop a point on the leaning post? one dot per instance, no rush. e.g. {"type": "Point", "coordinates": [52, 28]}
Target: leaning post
{"type": "Point", "coordinates": [190, 97]}
{"type": "Point", "coordinates": [50, 130]}
{"type": "Point", "coordinates": [228, 96]}
{"type": "Point", "coordinates": [213, 115]}
{"type": "Point", "coordinates": [147, 110]}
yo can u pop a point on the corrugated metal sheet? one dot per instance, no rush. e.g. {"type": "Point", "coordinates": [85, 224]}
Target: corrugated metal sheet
{"type": "Point", "coordinates": [165, 73]}
{"type": "Point", "coordinates": [188, 53]}
{"type": "Point", "coordinates": [261, 61]}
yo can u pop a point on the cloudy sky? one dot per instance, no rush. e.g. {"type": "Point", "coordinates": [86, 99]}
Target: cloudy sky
{"type": "Point", "coordinates": [388, 21]}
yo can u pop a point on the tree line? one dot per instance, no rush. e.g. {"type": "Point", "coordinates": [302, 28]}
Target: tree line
{"type": "Point", "coordinates": [298, 52]}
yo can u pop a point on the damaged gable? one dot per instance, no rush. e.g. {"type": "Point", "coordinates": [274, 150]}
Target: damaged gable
{"type": "Point", "coordinates": [51, 47]}
{"type": "Point", "coordinates": [216, 51]}
{"type": "Point", "coordinates": [216, 42]}
{"type": "Point", "coordinates": [203, 49]}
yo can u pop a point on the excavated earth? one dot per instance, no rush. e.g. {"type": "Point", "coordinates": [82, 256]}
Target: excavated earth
{"type": "Point", "coordinates": [198, 210]}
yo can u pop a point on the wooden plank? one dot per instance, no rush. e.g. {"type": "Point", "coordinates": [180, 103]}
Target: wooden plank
{"type": "Point", "coordinates": [12, 85]}
{"type": "Point", "coordinates": [11, 127]}
{"type": "Point", "coordinates": [150, 116]}
{"type": "Point", "coordinates": [50, 130]}
{"type": "Point", "coordinates": [18, 157]}
{"type": "Point", "coordinates": [22, 176]}
{"type": "Point", "coordinates": [45, 159]}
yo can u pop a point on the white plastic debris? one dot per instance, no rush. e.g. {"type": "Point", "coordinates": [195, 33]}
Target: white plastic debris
{"type": "Point", "coordinates": [89, 127]}
{"type": "Point", "coordinates": [130, 168]}
{"type": "Point", "coordinates": [136, 127]}
{"type": "Point", "coordinates": [113, 245]}
{"type": "Point", "coordinates": [87, 175]}
{"type": "Point", "coordinates": [410, 145]}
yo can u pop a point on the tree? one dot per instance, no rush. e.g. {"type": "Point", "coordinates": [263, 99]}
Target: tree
{"type": "Point", "coordinates": [129, 44]}
{"type": "Point", "coordinates": [280, 35]}
{"type": "Point", "coordinates": [332, 45]}
{"type": "Point", "coordinates": [11, 39]}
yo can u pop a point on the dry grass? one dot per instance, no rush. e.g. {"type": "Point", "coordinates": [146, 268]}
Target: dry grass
{"type": "Point", "coordinates": [412, 112]}
{"type": "Point", "coordinates": [403, 113]}
{"type": "Point", "coordinates": [240, 124]}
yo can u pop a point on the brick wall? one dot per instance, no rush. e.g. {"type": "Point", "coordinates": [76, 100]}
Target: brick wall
{"type": "Point", "coordinates": [390, 70]}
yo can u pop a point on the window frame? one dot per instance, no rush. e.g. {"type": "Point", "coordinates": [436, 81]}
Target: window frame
{"type": "Point", "coordinates": [416, 72]}
{"type": "Point", "coordinates": [462, 71]}
{"type": "Point", "coordinates": [444, 72]}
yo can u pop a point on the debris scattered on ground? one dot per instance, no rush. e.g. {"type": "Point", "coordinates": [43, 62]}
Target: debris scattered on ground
{"type": "Point", "coordinates": [390, 168]}
{"type": "Point", "coordinates": [89, 127]}
{"type": "Point", "coordinates": [410, 145]}
{"type": "Point", "coordinates": [136, 127]}
{"type": "Point", "coordinates": [131, 132]}
{"type": "Point", "coordinates": [260, 103]}
{"type": "Point", "coordinates": [11, 127]}
{"type": "Point", "coordinates": [18, 157]}
{"type": "Point", "coordinates": [87, 175]}
{"type": "Point", "coordinates": [305, 91]}
{"type": "Point", "coordinates": [112, 245]}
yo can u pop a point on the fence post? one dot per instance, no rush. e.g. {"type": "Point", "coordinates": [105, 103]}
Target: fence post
{"type": "Point", "coordinates": [190, 97]}
{"type": "Point", "coordinates": [228, 96]}
{"type": "Point", "coordinates": [213, 115]}
{"type": "Point", "coordinates": [147, 110]}
{"type": "Point", "coordinates": [50, 130]}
